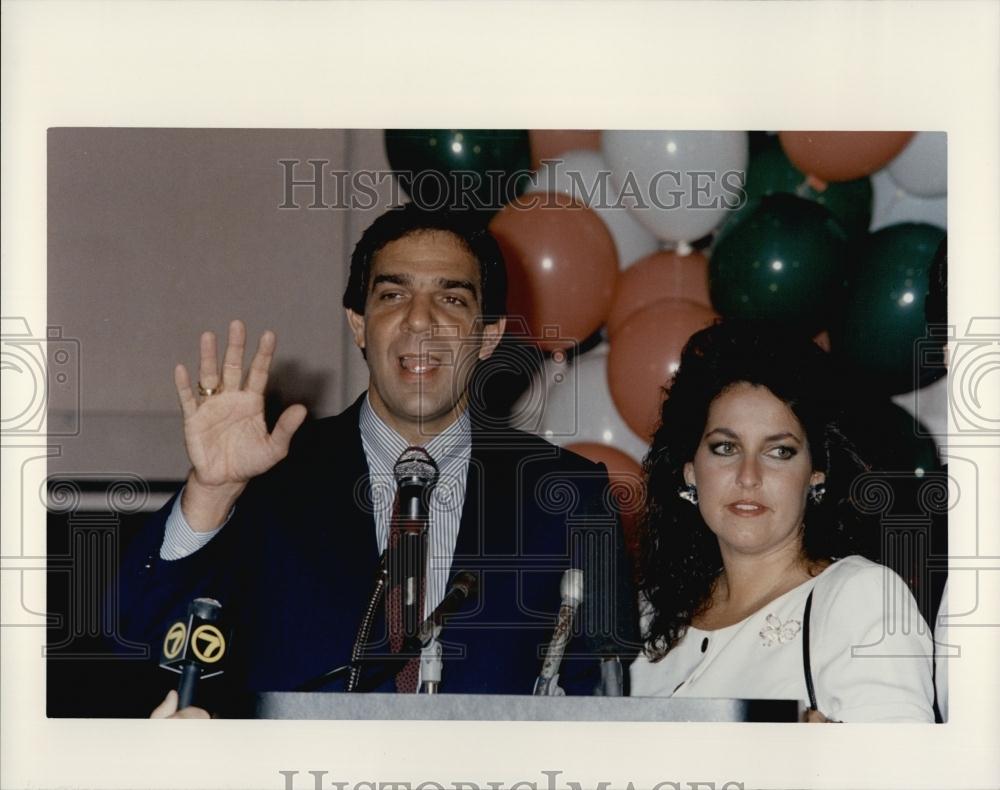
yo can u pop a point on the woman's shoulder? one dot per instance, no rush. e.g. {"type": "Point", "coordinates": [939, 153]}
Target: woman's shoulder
{"type": "Point", "coordinates": [848, 567]}
{"type": "Point", "coordinates": [854, 578]}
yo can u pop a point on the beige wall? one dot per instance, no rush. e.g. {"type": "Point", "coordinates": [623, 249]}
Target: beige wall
{"type": "Point", "coordinates": [158, 234]}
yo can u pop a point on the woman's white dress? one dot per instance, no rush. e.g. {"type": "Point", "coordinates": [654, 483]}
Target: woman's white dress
{"type": "Point", "coordinates": [871, 651]}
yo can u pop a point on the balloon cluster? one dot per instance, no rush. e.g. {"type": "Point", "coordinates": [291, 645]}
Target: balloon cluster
{"type": "Point", "coordinates": [625, 243]}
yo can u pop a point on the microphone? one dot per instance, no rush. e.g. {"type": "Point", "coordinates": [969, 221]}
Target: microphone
{"type": "Point", "coordinates": [571, 590]}
{"type": "Point", "coordinates": [194, 647]}
{"type": "Point", "coordinates": [415, 473]}
{"type": "Point", "coordinates": [462, 586]}
{"type": "Point", "coordinates": [401, 564]}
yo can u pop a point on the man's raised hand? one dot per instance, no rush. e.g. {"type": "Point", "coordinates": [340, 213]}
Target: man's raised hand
{"type": "Point", "coordinates": [225, 433]}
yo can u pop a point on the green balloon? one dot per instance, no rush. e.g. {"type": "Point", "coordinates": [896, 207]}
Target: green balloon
{"type": "Point", "coordinates": [770, 171]}
{"type": "Point", "coordinates": [783, 261]}
{"type": "Point", "coordinates": [883, 329]}
{"type": "Point", "coordinates": [889, 438]}
{"type": "Point", "coordinates": [456, 168]}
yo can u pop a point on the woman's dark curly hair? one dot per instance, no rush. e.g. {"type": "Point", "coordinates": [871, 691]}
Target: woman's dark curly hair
{"type": "Point", "coordinates": [680, 555]}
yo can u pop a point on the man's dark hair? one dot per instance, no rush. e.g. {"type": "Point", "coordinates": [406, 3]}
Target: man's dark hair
{"type": "Point", "coordinates": [465, 226]}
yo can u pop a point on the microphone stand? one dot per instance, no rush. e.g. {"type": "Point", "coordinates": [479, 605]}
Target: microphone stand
{"type": "Point", "coordinates": [364, 629]}
{"type": "Point", "coordinates": [612, 678]}
{"type": "Point", "coordinates": [430, 664]}
{"type": "Point", "coordinates": [353, 669]}
{"type": "Point", "coordinates": [426, 642]}
{"type": "Point", "coordinates": [385, 666]}
{"type": "Point", "coordinates": [415, 473]}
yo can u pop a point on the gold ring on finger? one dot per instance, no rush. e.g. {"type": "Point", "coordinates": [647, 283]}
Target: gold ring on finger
{"type": "Point", "coordinates": [206, 391]}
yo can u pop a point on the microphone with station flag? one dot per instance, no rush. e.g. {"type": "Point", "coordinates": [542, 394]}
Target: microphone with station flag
{"type": "Point", "coordinates": [194, 647]}
{"type": "Point", "coordinates": [415, 473]}
{"type": "Point", "coordinates": [571, 591]}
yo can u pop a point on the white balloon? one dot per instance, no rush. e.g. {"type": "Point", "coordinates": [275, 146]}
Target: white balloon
{"type": "Point", "coordinates": [528, 411]}
{"type": "Point", "coordinates": [921, 168]}
{"type": "Point", "coordinates": [680, 185]}
{"type": "Point", "coordinates": [929, 406]}
{"type": "Point", "coordinates": [892, 205]}
{"type": "Point", "coordinates": [586, 177]}
{"type": "Point", "coordinates": [578, 407]}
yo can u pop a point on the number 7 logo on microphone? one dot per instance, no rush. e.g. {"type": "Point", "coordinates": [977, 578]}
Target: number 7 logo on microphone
{"type": "Point", "coordinates": [208, 644]}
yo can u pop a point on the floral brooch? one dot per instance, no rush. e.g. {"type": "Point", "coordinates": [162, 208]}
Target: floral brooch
{"type": "Point", "coordinates": [776, 632]}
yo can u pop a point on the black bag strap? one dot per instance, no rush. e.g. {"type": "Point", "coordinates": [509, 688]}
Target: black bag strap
{"type": "Point", "coordinates": [805, 653]}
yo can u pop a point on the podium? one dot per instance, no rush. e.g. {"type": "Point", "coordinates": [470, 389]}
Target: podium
{"type": "Point", "coordinates": [497, 707]}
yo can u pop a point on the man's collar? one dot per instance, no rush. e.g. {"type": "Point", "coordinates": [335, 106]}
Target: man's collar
{"type": "Point", "coordinates": [447, 448]}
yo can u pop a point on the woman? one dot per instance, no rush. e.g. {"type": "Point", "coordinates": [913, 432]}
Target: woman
{"type": "Point", "coordinates": [748, 515]}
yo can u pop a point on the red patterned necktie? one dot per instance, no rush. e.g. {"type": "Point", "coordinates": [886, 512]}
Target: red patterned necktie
{"type": "Point", "coordinates": [407, 544]}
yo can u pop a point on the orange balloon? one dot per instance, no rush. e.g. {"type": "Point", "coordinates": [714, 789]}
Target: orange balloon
{"type": "Point", "coordinates": [627, 486]}
{"type": "Point", "coordinates": [645, 353]}
{"type": "Point", "coordinates": [552, 143]}
{"type": "Point", "coordinates": [662, 275]}
{"type": "Point", "coordinates": [842, 156]}
{"type": "Point", "coordinates": [561, 268]}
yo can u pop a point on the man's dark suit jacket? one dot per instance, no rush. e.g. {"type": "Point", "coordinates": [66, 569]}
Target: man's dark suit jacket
{"type": "Point", "coordinates": [295, 566]}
